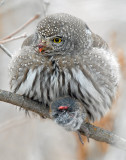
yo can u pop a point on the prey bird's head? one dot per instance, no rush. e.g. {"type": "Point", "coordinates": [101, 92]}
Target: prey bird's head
{"type": "Point", "coordinates": [68, 113]}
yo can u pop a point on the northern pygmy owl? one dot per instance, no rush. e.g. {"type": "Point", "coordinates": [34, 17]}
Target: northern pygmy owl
{"type": "Point", "coordinates": [65, 58]}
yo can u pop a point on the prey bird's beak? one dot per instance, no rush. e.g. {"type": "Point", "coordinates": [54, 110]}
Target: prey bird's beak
{"type": "Point", "coordinates": [44, 46]}
{"type": "Point", "coordinates": [41, 48]}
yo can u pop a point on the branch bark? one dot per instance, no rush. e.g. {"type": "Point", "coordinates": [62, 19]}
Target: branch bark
{"type": "Point", "coordinates": [102, 135]}
{"type": "Point", "coordinates": [96, 133]}
{"type": "Point", "coordinates": [24, 103]}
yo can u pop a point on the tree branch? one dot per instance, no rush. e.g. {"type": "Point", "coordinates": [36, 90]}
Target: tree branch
{"type": "Point", "coordinates": [102, 135]}
{"type": "Point", "coordinates": [5, 50]}
{"type": "Point", "coordinates": [13, 38]}
{"type": "Point", "coordinates": [96, 133]}
{"type": "Point", "coordinates": [1, 2]}
{"type": "Point", "coordinates": [45, 7]}
{"type": "Point", "coordinates": [24, 103]}
{"type": "Point", "coordinates": [22, 27]}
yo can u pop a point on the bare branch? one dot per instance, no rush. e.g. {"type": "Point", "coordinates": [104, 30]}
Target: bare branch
{"type": "Point", "coordinates": [2, 2]}
{"type": "Point", "coordinates": [22, 27]}
{"type": "Point", "coordinates": [103, 135]}
{"type": "Point", "coordinates": [6, 50]}
{"type": "Point", "coordinates": [13, 38]}
{"type": "Point", "coordinates": [96, 133]}
{"type": "Point", "coordinates": [24, 103]}
{"type": "Point", "coordinates": [44, 6]}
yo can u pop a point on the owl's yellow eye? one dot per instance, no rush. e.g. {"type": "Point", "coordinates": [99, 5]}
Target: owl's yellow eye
{"type": "Point", "coordinates": [57, 40]}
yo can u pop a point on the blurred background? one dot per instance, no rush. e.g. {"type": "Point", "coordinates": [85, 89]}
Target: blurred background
{"type": "Point", "coordinates": [32, 138]}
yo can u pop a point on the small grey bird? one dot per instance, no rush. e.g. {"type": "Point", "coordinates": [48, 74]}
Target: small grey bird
{"type": "Point", "coordinates": [65, 58]}
{"type": "Point", "coordinates": [68, 112]}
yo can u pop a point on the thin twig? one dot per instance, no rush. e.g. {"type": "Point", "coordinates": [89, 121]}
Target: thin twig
{"type": "Point", "coordinates": [6, 50]}
{"type": "Point", "coordinates": [96, 133]}
{"type": "Point", "coordinates": [45, 8]}
{"type": "Point", "coordinates": [44, 5]}
{"type": "Point", "coordinates": [2, 2]}
{"type": "Point", "coordinates": [22, 27]}
{"type": "Point", "coordinates": [13, 38]}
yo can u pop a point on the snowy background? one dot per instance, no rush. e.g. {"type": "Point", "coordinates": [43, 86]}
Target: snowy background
{"type": "Point", "coordinates": [32, 138]}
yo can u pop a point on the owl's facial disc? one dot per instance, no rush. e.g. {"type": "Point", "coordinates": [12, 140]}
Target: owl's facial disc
{"type": "Point", "coordinates": [48, 44]}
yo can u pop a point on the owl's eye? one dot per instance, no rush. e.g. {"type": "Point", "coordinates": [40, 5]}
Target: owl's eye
{"type": "Point", "coordinates": [57, 40]}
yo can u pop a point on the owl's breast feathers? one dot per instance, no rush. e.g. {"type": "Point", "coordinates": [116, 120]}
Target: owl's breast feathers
{"type": "Point", "coordinates": [89, 78]}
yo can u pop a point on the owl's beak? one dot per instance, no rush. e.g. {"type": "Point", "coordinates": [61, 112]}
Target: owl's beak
{"type": "Point", "coordinates": [44, 46]}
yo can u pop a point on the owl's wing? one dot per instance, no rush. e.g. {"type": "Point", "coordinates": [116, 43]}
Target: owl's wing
{"type": "Point", "coordinates": [98, 42]}
{"type": "Point", "coordinates": [31, 40]}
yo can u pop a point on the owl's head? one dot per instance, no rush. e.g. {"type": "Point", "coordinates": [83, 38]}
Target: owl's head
{"type": "Point", "coordinates": [68, 113]}
{"type": "Point", "coordinates": [62, 33]}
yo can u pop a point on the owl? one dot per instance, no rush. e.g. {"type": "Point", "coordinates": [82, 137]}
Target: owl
{"type": "Point", "coordinates": [64, 58]}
